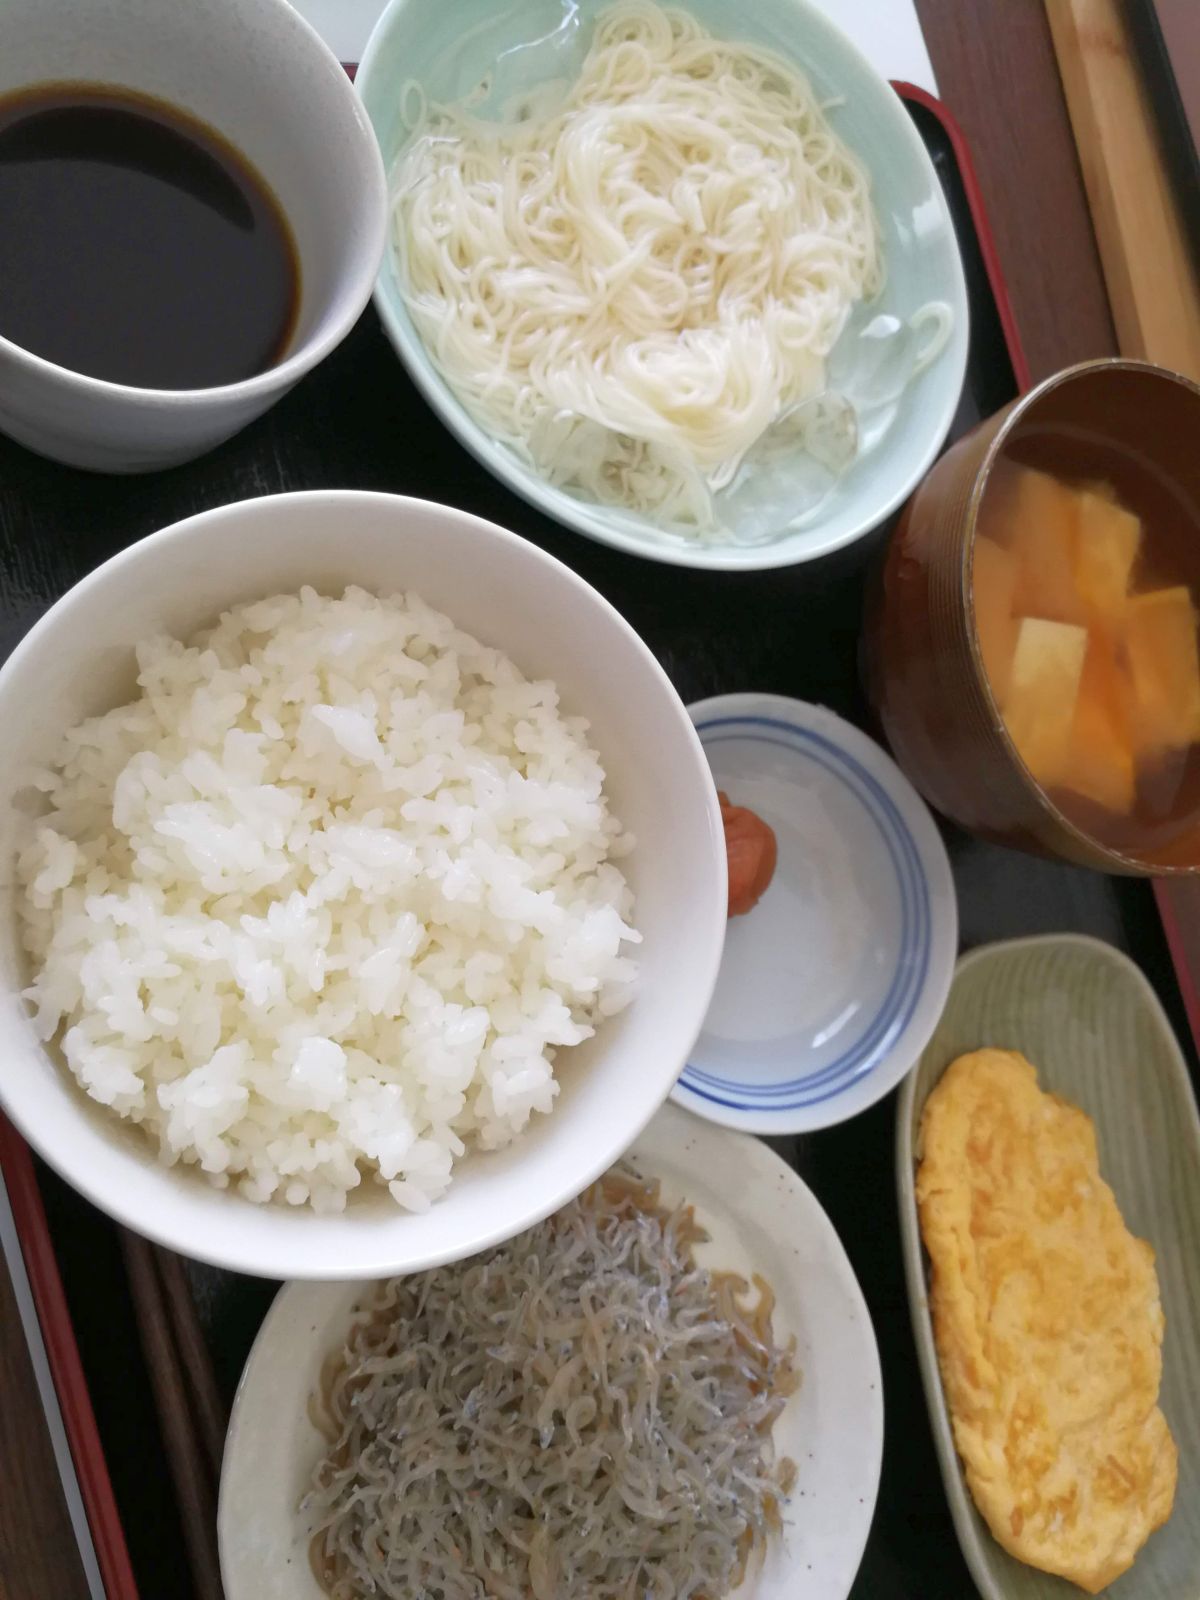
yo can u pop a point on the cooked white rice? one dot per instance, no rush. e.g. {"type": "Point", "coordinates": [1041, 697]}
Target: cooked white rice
{"type": "Point", "coordinates": [324, 901]}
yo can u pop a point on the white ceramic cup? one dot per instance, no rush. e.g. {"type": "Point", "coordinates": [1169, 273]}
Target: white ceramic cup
{"type": "Point", "coordinates": [258, 74]}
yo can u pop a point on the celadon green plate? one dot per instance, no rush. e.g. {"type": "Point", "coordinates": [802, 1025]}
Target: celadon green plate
{"type": "Point", "coordinates": [448, 48]}
{"type": "Point", "coordinates": [1091, 1024]}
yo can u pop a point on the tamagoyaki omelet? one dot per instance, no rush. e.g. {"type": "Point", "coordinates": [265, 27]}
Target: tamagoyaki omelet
{"type": "Point", "coordinates": [1048, 1323]}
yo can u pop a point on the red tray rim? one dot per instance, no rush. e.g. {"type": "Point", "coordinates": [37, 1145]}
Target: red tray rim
{"type": "Point", "coordinates": [66, 1368]}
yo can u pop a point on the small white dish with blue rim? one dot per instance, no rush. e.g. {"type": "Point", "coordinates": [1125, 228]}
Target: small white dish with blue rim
{"type": "Point", "coordinates": [832, 986]}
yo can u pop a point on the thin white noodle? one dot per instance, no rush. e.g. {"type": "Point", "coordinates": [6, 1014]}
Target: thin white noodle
{"type": "Point", "coordinates": [629, 291]}
{"type": "Point", "coordinates": [940, 315]}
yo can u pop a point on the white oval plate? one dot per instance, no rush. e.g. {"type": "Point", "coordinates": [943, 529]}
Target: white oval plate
{"type": "Point", "coordinates": [831, 987]}
{"type": "Point", "coordinates": [763, 1219]}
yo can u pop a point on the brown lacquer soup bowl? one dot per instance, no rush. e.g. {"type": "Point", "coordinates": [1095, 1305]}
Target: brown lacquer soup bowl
{"type": "Point", "coordinates": [925, 667]}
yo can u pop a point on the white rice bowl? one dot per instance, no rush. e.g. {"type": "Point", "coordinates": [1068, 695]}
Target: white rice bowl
{"type": "Point", "coordinates": [78, 662]}
{"type": "Point", "coordinates": [323, 903]}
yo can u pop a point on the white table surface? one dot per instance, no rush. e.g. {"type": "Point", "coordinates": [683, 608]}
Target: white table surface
{"type": "Point", "coordinates": [886, 31]}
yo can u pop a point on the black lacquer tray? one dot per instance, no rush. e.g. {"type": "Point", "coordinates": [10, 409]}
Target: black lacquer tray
{"type": "Point", "coordinates": [358, 422]}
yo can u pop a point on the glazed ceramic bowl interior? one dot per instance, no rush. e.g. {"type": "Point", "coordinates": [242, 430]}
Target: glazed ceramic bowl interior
{"type": "Point", "coordinates": [79, 661]}
{"type": "Point", "coordinates": [448, 49]}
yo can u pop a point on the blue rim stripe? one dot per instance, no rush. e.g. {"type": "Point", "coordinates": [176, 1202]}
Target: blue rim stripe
{"type": "Point", "coordinates": [912, 968]}
{"type": "Point", "coordinates": [853, 1061]}
{"type": "Point", "coordinates": [914, 914]}
{"type": "Point", "coordinates": [908, 971]}
{"type": "Point", "coordinates": [860, 1061]}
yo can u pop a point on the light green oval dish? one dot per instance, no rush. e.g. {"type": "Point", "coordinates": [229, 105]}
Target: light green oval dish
{"type": "Point", "coordinates": [1092, 1025]}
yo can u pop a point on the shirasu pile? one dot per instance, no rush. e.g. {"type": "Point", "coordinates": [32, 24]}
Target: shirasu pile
{"type": "Point", "coordinates": [583, 1412]}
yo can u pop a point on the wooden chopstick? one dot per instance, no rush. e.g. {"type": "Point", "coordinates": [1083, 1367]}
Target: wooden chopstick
{"type": "Point", "coordinates": [1152, 285]}
{"type": "Point", "coordinates": [192, 1467]}
{"type": "Point", "coordinates": [1152, 281]}
{"type": "Point", "coordinates": [209, 1411]}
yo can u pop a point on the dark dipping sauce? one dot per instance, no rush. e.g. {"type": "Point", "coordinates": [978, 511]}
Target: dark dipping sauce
{"type": "Point", "coordinates": [136, 245]}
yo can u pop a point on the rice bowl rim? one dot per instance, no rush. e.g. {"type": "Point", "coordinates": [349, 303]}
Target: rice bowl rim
{"type": "Point", "coordinates": [212, 1235]}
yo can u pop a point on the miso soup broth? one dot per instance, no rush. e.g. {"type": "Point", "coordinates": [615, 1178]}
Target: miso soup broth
{"type": "Point", "coordinates": [1087, 625]}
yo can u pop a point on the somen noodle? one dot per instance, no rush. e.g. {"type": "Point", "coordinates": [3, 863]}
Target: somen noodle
{"type": "Point", "coordinates": [629, 287]}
